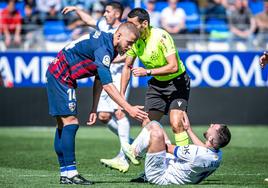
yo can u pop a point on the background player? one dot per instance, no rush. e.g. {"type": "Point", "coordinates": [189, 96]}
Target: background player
{"type": "Point", "coordinates": [90, 55]}
{"type": "Point", "coordinates": [117, 122]}
{"type": "Point", "coordinates": [264, 59]}
{"type": "Point", "coordinates": [188, 164]}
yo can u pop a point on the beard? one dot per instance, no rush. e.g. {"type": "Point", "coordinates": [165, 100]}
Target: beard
{"type": "Point", "coordinates": [120, 50]}
{"type": "Point", "coordinates": [205, 135]}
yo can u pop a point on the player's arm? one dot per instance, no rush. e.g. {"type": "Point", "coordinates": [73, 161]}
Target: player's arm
{"type": "Point", "coordinates": [169, 68]}
{"type": "Point", "coordinates": [166, 45]}
{"type": "Point", "coordinates": [188, 129]}
{"type": "Point", "coordinates": [126, 72]}
{"type": "Point", "coordinates": [85, 17]}
{"type": "Point", "coordinates": [168, 48]}
{"type": "Point", "coordinates": [264, 59]}
{"type": "Point", "coordinates": [134, 111]}
{"type": "Point", "coordinates": [97, 88]}
{"type": "Point", "coordinates": [119, 58]}
{"type": "Point", "coordinates": [170, 148]}
{"type": "Point", "coordinates": [103, 60]}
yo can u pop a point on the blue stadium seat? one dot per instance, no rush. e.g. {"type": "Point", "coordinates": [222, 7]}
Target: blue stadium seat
{"type": "Point", "coordinates": [55, 31]}
{"type": "Point", "coordinates": [159, 6]}
{"type": "Point", "coordinates": [3, 5]}
{"type": "Point", "coordinates": [215, 24]}
{"type": "Point", "coordinates": [193, 20]}
{"type": "Point", "coordinates": [256, 6]}
{"type": "Point", "coordinates": [20, 8]}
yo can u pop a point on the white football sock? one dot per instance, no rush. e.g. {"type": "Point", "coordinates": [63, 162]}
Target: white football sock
{"type": "Point", "coordinates": [63, 171]}
{"type": "Point", "coordinates": [123, 130]}
{"type": "Point", "coordinates": [123, 133]}
{"type": "Point", "coordinates": [141, 143]}
{"type": "Point", "coordinates": [71, 173]}
{"type": "Point", "coordinates": [113, 126]}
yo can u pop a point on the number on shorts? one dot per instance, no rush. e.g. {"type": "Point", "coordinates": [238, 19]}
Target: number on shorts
{"type": "Point", "coordinates": [71, 94]}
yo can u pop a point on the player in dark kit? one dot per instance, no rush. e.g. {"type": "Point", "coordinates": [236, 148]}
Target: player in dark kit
{"type": "Point", "coordinates": [90, 55]}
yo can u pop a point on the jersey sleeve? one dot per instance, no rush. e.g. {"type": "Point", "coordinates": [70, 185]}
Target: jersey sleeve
{"type": "Point", "coordinates": [185, 153]}
{"type": "Point", "coordinates": [166, 44]}
{"type": "Point", "coordinates": [102, 24]}
{"type": "Point", "coordinates": [103, 60]}
{"type": "Point", "coordinates": [98, 24]}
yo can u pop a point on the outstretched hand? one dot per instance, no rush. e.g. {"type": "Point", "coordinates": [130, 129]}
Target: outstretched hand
{"type": "Point", "coordinates": [138, 71]}
{"type": "Point", "coordinates": [92, 118]}
{"type": "Point", "coordinates": [68, 9]}
{"type": "Point", "coordinates": [138, 113]}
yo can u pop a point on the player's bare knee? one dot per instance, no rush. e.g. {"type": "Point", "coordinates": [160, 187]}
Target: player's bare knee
{"type": "Point", "coordinates": [67, 120]}
{"type": "Point", "coordinates": [156, 132]}
{"type": "Point", "coordinates": [104, 117]}
{"type": "Point", "coordinates": [153, 125]}
{"type": "Point", "coordinates": [120, 116]}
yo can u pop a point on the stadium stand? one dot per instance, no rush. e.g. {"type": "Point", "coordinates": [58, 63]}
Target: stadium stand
{"type": "Point", "coordinates": [56, 34]}
{"type": "Point", "coordinates": [193, 20]}
{"type": "Point", "coordinates": [199, 30]}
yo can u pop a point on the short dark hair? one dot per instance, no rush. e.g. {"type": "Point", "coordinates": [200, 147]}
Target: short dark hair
{"type": "Point", "coordinates": [224, 136]}
{"type": "Point", "coordinates": [116, 5]}
{"type": "Point", "coordinates": [130, 27]}
{"type": "Point", "coordinates": [141, 13]}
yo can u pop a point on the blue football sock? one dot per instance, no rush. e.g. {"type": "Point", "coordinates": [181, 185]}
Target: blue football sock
{"type": "Point", "coordinates": [68, 143]}
{"type": "Point", "coordinates": [58, 148]}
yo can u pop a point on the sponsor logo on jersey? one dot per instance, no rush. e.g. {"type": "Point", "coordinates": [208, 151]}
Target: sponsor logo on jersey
{"type": "Point", "coordinates": [106, 60]}
{"type": "Point", "coordinates": [186, 150]}
{"type": "Point", "coordinates": [97, 34]}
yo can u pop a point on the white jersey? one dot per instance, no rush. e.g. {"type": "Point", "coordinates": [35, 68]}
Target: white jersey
{"type": "Point", "coordinates": [189, 165]}
{"type": "Point", "coordinates": [106, 104]}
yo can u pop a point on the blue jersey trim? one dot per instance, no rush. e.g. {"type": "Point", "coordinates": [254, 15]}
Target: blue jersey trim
{"type": "Point", "coordinates": [176, 151]}
{"type": "Point", "coordinates": [97, 24]}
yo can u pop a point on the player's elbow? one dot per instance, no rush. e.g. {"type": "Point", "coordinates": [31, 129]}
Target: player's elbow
{"type": "Point", "coordinates": [107, 87]}
{"type": "Point", "coordinates": [174, 68]}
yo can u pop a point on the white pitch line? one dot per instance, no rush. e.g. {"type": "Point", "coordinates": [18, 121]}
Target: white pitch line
{"type": "Point", "coordinates": [258, 174]}
{"type": "Point", "coordinates": [43, 175]}
{"type": "Point", "coordinates": [133, 174]}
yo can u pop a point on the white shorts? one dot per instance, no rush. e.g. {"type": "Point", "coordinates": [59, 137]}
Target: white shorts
{"type": "Point", "coordinates": [159, 169]}
{"type": "Point", "coordinates": [106, 104]}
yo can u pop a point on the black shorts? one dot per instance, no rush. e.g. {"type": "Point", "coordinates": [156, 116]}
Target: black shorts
{"type": "Point", "coordinates": [166, 95]}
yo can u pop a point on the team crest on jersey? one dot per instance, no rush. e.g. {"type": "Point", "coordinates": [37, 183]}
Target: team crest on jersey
{"type": "Point", "coordinates": [72, 106]}
{"type": "Point", "coordinates": [106, 60]}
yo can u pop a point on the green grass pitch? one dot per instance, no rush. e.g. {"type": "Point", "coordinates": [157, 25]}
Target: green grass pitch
{"type": "Point", "coordinates": [27, 158]}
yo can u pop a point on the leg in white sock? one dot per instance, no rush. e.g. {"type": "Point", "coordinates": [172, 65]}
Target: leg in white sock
{"type": "Point", "coordinates": [123, 129]}
{"type": "Point", "coordinates": [113, 126]}
{"type": "Point", "coordinates": [123, 133]}
{"type": "Point", "coordinates": [141, 143]}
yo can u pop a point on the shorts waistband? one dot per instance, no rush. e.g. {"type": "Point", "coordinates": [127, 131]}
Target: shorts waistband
{"type": "Point", "coordinates": [167, 81]}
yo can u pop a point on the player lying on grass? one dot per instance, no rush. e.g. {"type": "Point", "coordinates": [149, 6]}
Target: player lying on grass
{"type": "Point", "coordinates": [264, 59]}
{"type": "Point", "coordinates": [169, 164]}
{"type": "Point", "coordinates": [88, 56]}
